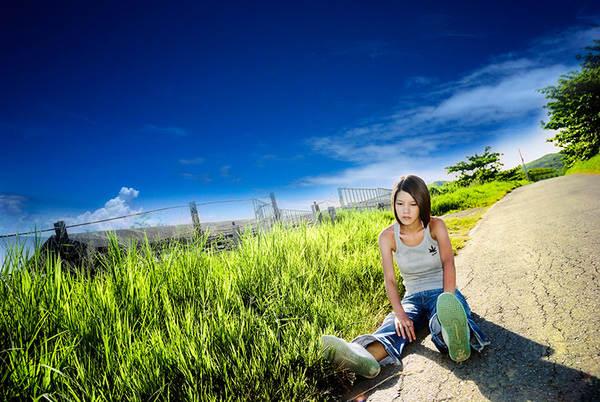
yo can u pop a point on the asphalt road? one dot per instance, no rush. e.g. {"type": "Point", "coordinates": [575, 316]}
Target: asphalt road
{"type": "Point", "coordinates": [531, 274]}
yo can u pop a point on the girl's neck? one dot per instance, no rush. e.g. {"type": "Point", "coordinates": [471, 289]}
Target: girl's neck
{"type": "Point", "coordinates": [412, 228]}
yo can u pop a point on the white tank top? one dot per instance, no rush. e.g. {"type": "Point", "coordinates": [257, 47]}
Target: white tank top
{"type": "Point", "coordinates": [421, 265]}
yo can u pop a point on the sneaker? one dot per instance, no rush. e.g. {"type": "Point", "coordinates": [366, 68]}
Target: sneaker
{"type": "Point", "coordinates": [351, 356]}
{"type": "Point", "coordinates": [455, 328]}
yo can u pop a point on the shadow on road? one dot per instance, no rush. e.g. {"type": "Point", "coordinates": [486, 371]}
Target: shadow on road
{"type": "Point", "coordinates": [512, 368]}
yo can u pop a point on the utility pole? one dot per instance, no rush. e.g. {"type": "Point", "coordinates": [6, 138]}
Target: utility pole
{"type": "Point", "coordinates": [524, 168]}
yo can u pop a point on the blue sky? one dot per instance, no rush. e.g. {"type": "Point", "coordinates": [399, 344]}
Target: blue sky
{"type": "Point", "coordinates": [110, 108]}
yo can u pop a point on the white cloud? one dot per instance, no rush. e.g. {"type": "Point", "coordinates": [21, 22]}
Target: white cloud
{"type": "Point", "coordinates": [512, 97]}
{"type": "Point", "coordinates": [498, 104]}
{"type": "Point", "coordinates": [224, 171]}
{"type": "Point", "coordinates": [203, 178]}
{"type": "Point", "coordinates": [530, 139]}
{"type": "Point", "coordinates": [12, 204]}
{"type": "Point", "coordinates": [116, 207]}
{"type": "Point", "coordinates": [420, 81]}
{"type": "Point", "coordinates": [14, 214]}
{"type": "Point", "coordinates": [456, 119]}
{"type": "Point", "coordinates": [375, 174]}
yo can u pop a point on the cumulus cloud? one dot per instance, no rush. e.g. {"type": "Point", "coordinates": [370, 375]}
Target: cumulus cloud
{"type": "Point", "coordinates": [116, 207]}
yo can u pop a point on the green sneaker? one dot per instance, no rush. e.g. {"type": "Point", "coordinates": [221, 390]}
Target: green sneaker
{"type": "Point", "coordinates": [455, 328]}
{"type": "Point", "coordinates": [351, 356]}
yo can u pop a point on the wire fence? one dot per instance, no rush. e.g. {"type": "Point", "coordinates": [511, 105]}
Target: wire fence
{"type": "Point", "coordinates": [267, 214]}
{"type": "Point", "coordinates": [35, 232]}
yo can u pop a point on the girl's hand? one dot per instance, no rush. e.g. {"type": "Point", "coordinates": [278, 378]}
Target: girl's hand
{"type": "Point", "coordinates": [404, 326]}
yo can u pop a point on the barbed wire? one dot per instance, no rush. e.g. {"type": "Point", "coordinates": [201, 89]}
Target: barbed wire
{"type": "Point", "coordinates": [95, 222]}
{"type": "Point", "coordinates": [219, 202]}
{"type": "Point", "coordinates": [129, 216]}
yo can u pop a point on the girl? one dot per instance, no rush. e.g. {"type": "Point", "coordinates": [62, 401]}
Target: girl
{"type": "Point", "coordinates": [420, 245]}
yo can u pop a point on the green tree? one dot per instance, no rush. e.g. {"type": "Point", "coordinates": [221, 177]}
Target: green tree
{"type": "Point", "coordinates": [482, 168]}
{"type": "Point", "coordinates": [574, 109]}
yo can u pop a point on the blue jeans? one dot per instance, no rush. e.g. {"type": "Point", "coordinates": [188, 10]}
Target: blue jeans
{"type": "Point", "coordinates": [421, 309]}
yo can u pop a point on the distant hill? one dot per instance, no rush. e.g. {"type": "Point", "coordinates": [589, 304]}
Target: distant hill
{"type": "Point", "coordinates": [554, 161]}
{"type": "Point", "coordinates": [438, 183]}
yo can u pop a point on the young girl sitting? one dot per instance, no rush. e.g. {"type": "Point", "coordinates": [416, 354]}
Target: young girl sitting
{"type": "Point", "coordinates": [420, 245]}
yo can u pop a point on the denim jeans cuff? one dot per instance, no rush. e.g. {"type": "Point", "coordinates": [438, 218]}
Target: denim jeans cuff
{"type": "Point", "coordinates": [365, 340]}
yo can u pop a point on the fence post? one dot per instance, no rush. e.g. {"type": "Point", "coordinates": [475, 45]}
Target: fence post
{"type": "Point", "coordinates": [276, 211]}
{"type": "Point", "coordinates": [61, 232]}
{"type": "Point", "coordinates": [236, 234]}
{"type": "Point", "coordinates": [332, 214]}
{"type": "Point", "coordinates": [341, 197]}
{"type": "Point", "coordinates": [316, 212]}
{"type": "Point", "coordinates": [195, 218]}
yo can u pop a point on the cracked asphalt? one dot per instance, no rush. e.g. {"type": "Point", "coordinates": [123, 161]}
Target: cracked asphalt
{"type": "Point", "coordinates": [531, 274]}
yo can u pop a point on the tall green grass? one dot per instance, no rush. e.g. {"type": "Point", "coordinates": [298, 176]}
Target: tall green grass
{"type": "Point", "coordinates": [193, 325]}
{"type": "Point", "coordinates": [590, 166]}
{"type": "Point", "coordinates": [477, 196]}
{"type": "Point", "coordinates": [196, 325]}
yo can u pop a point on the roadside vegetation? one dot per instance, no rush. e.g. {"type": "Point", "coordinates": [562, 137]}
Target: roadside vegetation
{"type": "Point", "coordinates": [452, 198]}
{"type": "Point", "coordinates": [201, 326]}
{"type": "Point", "coordinates": [573, 108]}
{"type": "Point", "coordinates": [193, 325]}
{"type": "Point", "coordinates": [591, 165]}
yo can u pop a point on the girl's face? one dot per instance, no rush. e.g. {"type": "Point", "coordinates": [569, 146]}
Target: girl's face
{"type": "Point", "coordinates": [407, 209]}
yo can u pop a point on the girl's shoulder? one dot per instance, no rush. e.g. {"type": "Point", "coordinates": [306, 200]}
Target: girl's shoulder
{"type": "Point", "coordinates": [436, 226]}
{"type": "Point", "coordinates": [436, 221]}
{"type": "Point", "coordinates": [387, 235]}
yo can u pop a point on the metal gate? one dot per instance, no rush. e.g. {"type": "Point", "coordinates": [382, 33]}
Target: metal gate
{"type": "Point", "coordinates": [365, 197]}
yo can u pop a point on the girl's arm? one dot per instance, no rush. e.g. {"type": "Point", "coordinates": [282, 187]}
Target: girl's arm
{"type": "Point", "coordinates": [387, 244]}
{"type": "Point", "coordinates": [439, 233]}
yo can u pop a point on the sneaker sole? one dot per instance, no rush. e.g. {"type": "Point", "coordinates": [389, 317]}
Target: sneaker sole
{"type": "Point", "coordinates": [341, 354]}
{"type": "Point", "coordinates": [453, 319]}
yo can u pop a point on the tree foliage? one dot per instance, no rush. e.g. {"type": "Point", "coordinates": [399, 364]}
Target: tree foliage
{"type": "Point", "coordinates": [481, 168]}
{"type": "Point", "coordinates": [574, 108]}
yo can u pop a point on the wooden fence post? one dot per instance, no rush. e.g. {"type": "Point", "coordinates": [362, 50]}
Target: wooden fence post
{"type": "Point", "coordinates": [195, 218]}
{"type": "Point", "coordinates": [316, 212]}
{"type": "Point", "coordinates": [61, 232]}
{"type": "Point", "coordinates": [332, 214]}
{"type": "Point", "coordinates": [276, 211]}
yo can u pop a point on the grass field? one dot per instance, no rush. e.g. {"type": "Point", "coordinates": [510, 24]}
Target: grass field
{"type": "Point", "coordinates": [195, 325]}
{"type": "Point", "coordinates": [590, 166]}
{"type": "Point", "coordinates": [472, 197]}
